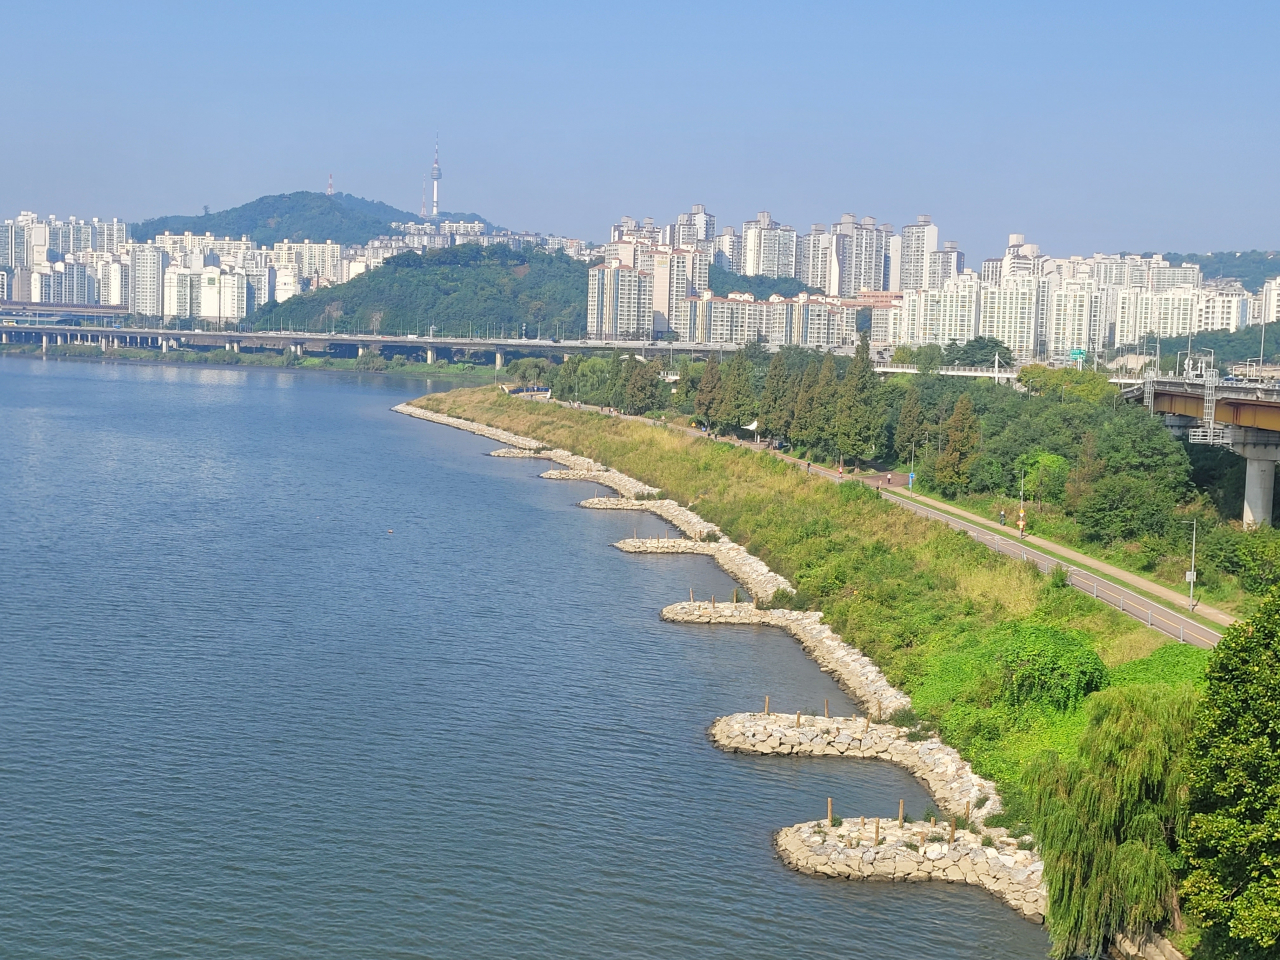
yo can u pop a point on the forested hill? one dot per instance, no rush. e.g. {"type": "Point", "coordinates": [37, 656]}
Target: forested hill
{"type": "Point", "coordinates": [299, 216]}
{"type": "Point", "coordinates": [462, 290]}
{"type": "Point", "coordinates": [1250, 267]}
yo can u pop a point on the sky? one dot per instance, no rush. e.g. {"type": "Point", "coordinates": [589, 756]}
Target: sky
{"type": "Point", "coordinates": [1085, 126]}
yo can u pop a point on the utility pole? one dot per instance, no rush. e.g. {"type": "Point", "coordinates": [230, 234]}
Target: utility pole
{"type": "Point", "coordinates": [1022, 506]}
{"type": "Point", "coordinates": [1191, 574]}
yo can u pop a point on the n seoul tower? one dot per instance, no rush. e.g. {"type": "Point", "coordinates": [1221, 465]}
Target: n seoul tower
{"type": "Point", "coordinates": [435, 181]}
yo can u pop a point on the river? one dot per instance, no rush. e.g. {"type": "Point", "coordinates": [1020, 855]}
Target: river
{"type": "Point", "coordinates": [286, 675]}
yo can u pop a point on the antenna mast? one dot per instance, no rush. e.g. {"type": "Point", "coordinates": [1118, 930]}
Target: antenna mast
{"type": "Point", "coordinates": [435, 182]}
{"type": "Point", "coordinates": [329, 192]}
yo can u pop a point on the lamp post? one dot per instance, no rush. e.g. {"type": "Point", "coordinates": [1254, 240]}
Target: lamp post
{"type": "Point", "coordinates": [1191, 574]}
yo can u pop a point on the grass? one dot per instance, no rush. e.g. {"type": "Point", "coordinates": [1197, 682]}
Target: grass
{"type": "Point", "coordinates": [928, 604]}
{"type": "Point", "coordinates": [1216, 588]}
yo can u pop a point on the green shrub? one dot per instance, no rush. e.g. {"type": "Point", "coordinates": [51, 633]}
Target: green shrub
{"type": "Point", "coordinates": [1044, 664]}
{"type": "Point", "coordinates": [1252, 555]}
{"type": "Point", "coordinates": [1126, 508]}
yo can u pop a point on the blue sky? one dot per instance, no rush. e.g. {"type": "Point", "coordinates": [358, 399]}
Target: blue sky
{"type": "Point", "coordinates": [1086, 126]}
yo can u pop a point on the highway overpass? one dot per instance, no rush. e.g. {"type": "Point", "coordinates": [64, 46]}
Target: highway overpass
{"type": "Point", "coordinates": [1241, 415]}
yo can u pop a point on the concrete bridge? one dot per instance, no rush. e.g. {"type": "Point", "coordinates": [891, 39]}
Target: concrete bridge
{"type": "Point", "coordinates": [1241, 415]}
{"type": "Point", "coordinates": [57, 328]}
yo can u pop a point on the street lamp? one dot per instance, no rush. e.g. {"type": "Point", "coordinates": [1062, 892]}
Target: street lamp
{"type": "Point", "coordinates": [1191, 574]}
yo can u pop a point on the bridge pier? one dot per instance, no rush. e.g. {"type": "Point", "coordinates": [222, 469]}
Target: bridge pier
{"type": "Point", "coordinates": [4, 338]}
{"type": "Point", "coordinates": [1261, 448]}
{"type": "Point", "coordinates": [498, 359]}
{"type": "Point", "coordinates": [44, 343]}
{"type": "Point", "coordinates": [431, 354]}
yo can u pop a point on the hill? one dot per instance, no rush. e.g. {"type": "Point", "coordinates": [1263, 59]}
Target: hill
{"type": "Point", "coordinates": [304, 215]}
{"type": "Point", "coordinates": [724, 282]}
{"type": "Point", "coordinates": [459, 290]}
{"type": "Point", "coordinates": [1250, 267]}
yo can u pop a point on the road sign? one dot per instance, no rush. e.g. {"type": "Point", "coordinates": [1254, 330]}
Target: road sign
{"type": "Point", "coordinates": [1078, 354]}
{"type": "Point", "coordinates": [911, 481]}
{"type": "Point", "coordinates": [1191, 576]}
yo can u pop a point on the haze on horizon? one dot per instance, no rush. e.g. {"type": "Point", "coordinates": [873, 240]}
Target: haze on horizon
{"type": "Point", "coordinates": [1140, 127]}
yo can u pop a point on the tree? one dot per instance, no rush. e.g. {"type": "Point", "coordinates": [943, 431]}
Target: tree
{"type": "Point", "coordinates": [641, 392]}
{"type": "Point", "coordinates": [1125, 508]}
{"type": "Point", "coordinates": [1107, 822]}
{"type": "Point", "coordinates": [1045, 473]}
{"type": "Point", "coordinates": [859, 423]}
{"type": "Point", "coordinates": [1087, 471]}
{"type": "Point", "coordinates": [910, 428]}
{"type": "Point", "coordinates": [708, 392]}
{"type": "Point", "coordinates": [735, 405]}
{"type": "Point", "coordinates": [1233, 839]}
{"type": "Point", "coordinates": [978, 352]}
{"type": "Point", "coordinates": [805, 423]}
{"type": "Point", "coordinates": [778, 400]}
{"type": "Point", "coordinates": [951, 469]}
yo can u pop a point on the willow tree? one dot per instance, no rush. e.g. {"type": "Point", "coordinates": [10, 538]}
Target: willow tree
{"type": "Point", "coordinates": [1107, 822]}
{"type": "Point", "coordinates": [1233, 841]}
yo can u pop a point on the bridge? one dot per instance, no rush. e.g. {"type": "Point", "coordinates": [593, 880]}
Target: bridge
{"type": "Point", "coordinates": [1242, 415]}
{"type": "Point", "coordinates": [52, 324]}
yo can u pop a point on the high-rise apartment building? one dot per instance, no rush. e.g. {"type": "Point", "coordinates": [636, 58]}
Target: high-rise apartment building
{"type": "Point", "coordinates": [815, 265]}
{"type": "Point", "coordinates": [109, 235]}
{"type": "Point", "coordinates": [935, 315]}
{"type": "Point", "coordinates": [1010, 311]}
{"type": "Point", "coordinates": [1269, 302]}
{"type": "Point", "coordinates": [862, 254]}
{"type": "Point", "coordinates": [728, 255]}
{"type": "Point", "coordinates": [1074, 319]}
{"type": "Point", "coordinates": [919, 239]}
{"type": "Point", "coordinates": [619, 302]}
{"type": "Point", "coordinates": [147, 264]}
{"type": "Point", "coordinates": [768, 248]}
{"type": "Point", "coordinates": [694, 226]}
{"type": "Point", "coordinates": [677, 275]}
{"type": "Point", "coordinates": [945, 264]}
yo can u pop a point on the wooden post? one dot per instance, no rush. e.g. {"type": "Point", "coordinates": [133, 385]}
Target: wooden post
{"type": "Point", "coordinates": [713, 601]}
{"type": "Point", "coordinates": [862, 825]}
{"type": "Point", "coordinates": [866, 725]}
{"type": "Point", "coordinates": [953, 829]}
{"type": "Point", "coordinates": [826, 706]}
{"type": "Point", "coordinates": [828, 809]}
{"type": "Point", "coordinates": [967, 804]}
{"type": "Point", "coordinates": [766, 705]}
{"type": "Point", "coordinates": [933, 822]}
{"type": "Point", "coordinates": [691, 594]}
{"type": "Point", "coordinates": [899, 813]}
{"type": "Point", "coordinates": [797, 719]}
{"type": "Point", "coordinates": [876, 842]}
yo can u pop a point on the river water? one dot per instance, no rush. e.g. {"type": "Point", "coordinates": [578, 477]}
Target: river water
{"type": "Point", "coordinates": [286, 675]}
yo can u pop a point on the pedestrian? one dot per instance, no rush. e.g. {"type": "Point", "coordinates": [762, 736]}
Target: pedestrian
{"type": "Point", "coordinates": [808, 467]}
{"type": "Point", "coordinates": [891, 479]}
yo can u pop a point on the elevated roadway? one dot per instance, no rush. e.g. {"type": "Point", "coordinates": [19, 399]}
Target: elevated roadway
{"type": "Point", "coordinates": [1239, 414]}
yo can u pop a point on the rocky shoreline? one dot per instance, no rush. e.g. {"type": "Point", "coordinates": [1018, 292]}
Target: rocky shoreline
{"type": "Point", "coordinates": [981, 856]}
{"type": "Point", "coordinates": [883, 849]}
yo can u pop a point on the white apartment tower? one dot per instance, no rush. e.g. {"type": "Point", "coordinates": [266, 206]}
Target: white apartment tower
{"type": "Point", "coordinates": [768, 249]}
{"type": "Point", "coordinates": [919, 239]}
{"type": "Point", "coordinates": [147, 263]}
{"type": "Point", "coordinates": [619, 302]}
{"type": "Point", "coordinates": [944, 264]}
{"type": "Point", "coordinates": [728, 254]}
{"type": "Point", "coordinates": [694, 226]}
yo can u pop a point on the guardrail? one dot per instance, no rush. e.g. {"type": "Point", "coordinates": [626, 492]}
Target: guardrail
{"type": "Point", "coordinates": [1128, 602]}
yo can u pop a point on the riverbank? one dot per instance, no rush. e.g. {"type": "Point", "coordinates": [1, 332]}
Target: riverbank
{"type": "Point", "coordinates": [934, 611]}
{"type": "Point", "coordinates": [950, 780]}
{"type": "Point", "coordinates": [461, 373]}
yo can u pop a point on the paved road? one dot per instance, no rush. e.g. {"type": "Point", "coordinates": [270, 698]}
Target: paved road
{"type": "Point", "coordinates": [1141, 608]}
